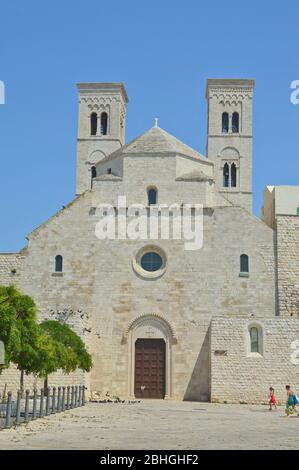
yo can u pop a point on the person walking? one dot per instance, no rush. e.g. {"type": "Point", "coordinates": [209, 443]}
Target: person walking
{"type": "Point", "coordinates": [291, 402]}
{"type": "Point", "coordinates": [272, 399]}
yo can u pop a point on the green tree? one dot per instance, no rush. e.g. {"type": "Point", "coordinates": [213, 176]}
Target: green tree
{"type": "Point", "coordinates": [19, 330]}
{"type": "Point", "coordinates": [9, 332]}
{"type": "Point", "coordinates": [26, 343]}
{"type": "Point", "coordinates": [71, 353]}
{"type": "Point", "coordinates": [49, 358]}
{"type": "Point", "coordinates": [38, 349]}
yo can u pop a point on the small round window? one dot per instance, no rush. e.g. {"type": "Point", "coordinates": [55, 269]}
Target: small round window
{"type": "Point", "coordinates": [151, 261]}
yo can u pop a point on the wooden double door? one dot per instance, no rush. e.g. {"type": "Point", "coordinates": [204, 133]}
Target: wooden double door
{"type": "Point", "coordinates": [150, 368]}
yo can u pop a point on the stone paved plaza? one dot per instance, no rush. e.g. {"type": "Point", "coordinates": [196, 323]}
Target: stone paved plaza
{"type": "Point", "coordinates": [158, 425]}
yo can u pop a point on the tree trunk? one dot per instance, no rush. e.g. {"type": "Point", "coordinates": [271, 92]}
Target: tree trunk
{"type": "Point", "coordinates": [46, 386]}
{"type": "Point", "coordinates": [22, 383]}
{"type": "Point", "coordinates": [4, 393]}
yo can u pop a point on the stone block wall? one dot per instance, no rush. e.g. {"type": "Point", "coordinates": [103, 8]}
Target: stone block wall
{"type": "Point", "coordinates": [287, 227]}
{"type": "Point", "coordinates": [238, 376]}
{"type": "Point", "coordinates": [10, 264]}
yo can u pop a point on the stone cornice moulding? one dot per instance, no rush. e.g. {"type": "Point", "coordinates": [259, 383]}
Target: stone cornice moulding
{"type": "Point", "coordinates": [231, 134]}
{"type": "Point", "coordinates": [229, 85]}
{"type": "Point", "coordinates": [102, 87]}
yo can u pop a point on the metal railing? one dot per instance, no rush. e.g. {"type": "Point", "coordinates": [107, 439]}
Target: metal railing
{"type": "Point", "coordinates": [34, 405]}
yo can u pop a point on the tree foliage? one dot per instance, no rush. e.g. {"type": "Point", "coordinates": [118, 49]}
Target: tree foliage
{"type": "Point", "coordinates": [73, 354]}
{"type": "Point", "coordinates": [13, 308]}
{"type": "Point", "coordinates": [40, 349]}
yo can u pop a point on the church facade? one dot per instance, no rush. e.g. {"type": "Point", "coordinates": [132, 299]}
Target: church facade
{"type": "Point", "coordinates": [219, 323]}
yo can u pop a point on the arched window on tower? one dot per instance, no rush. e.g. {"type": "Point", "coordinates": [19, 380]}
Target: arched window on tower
{"type": "Point", "coordinates": [58, 264]}
{"type": "Point", "coordinates": [244, 264]}
{"type": "Point", "coordinates": [104, 123]}
{"type": "Point", "coordinates": [93, 123]}
{"type": "Point", "coordinates": [93, 172]}
{"type": "Point", "coordinates": [233, 174]}
{"type": "Point", "coordinates": [235, 123]}
{"type": "Point", "coordinates": [226, 175]}
{"type": "Point", "coordinates": [152, 196]}
{"type": "Point", "coordinates": [225, 123]}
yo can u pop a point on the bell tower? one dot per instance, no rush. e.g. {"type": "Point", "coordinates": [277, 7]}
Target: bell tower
{"type": "Point", "coordinates": [101, 126]}
{"type": "Point", "coordinates": [229, 140]}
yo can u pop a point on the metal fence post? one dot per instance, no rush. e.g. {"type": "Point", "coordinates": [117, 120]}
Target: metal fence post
{"type": "Point", "coordinates": [80, 395]}
{"type": "Point", "coordinates": [73, 396]}
{"type": "Point", "coordinates": [63, 399]}
{"type": "Point", "coordinates": [26, 419]}
{"type": "Point", "coordinates": [68, 398]}
{"type": "Point", "coordinates": [54, 400]}
{"type": "Point", "coordinates": [18, 410]}
{"type": "Point", "coordinates": [76, 396]}
{"type": "Point", "coordinates": [83, 396]}
{"type": "Point", "coordinates": [59, 400]}
{"type": "Point", "coordinates": [8, 411]}
{"type": "Point", "coordinates": [34, 403]}
{"type": "Point", "coordinates": [41, 403]}
{"type": "Point", "coordinates": [48, 402]}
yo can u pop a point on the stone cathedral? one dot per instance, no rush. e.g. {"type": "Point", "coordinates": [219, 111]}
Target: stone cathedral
{"type": "Point", "coordinates": [220, 323]}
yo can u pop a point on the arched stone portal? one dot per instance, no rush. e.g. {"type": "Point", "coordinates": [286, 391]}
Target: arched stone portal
{"type": "Point", "coordinates": [150, 327]}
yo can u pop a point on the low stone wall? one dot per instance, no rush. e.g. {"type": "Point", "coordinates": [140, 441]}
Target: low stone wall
{"type": "Point", "coordinates": [239, 376]}
{"type": "Point", "coordinates": [11, 378]}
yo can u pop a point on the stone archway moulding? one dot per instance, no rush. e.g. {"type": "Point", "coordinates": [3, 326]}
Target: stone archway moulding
{"type": "Point", "coordinates": [154, 316]}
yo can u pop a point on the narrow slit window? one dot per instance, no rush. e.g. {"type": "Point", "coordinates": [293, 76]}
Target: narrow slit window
{"type": "Point", "coordinates": [233, 170]}
{"type": "Point", "coordinates": [152, 196]}
{"type": "Point", "coordinates": [93, 123]}
{"type": "Point", "coordinates": [58, 264]}
{"type": "Point", "coordinates": [254, 340]}
{"type": "Point", "coordinates": [235, 123]}
{"type": "Point", "coordinates": [93, 172]}
{"type": "Point", "coordinates": [104, 123]}
{"type": "Point", "coordinates": [225, 123]}
{"type": "Point", "coordinates": [226, 175]}
{"type": "Point", "coordinates": [244, 264]}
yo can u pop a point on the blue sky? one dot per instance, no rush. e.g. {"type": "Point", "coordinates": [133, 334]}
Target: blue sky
{"type": "Point", "coordinates": [163, 50]}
